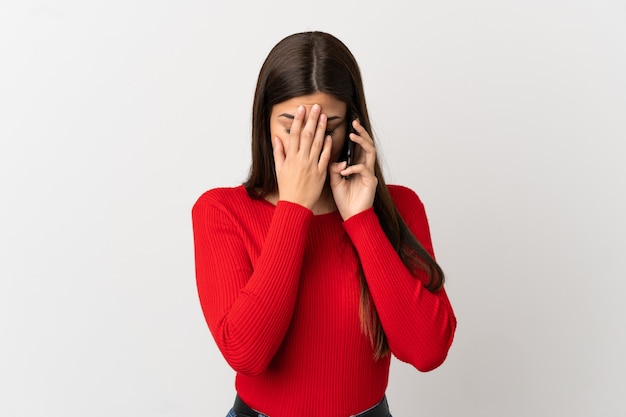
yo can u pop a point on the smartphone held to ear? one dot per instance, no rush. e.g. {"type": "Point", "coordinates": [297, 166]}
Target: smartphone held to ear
{"type": "Point", "coordinates": [347, 153]}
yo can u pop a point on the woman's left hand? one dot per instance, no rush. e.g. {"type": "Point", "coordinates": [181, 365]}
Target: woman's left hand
{"type": "Point", "coordinates": [356, 193]}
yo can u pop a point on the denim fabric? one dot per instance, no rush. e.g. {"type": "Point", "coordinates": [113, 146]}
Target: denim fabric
{"type": "Point", "coordinates": [231, 413]}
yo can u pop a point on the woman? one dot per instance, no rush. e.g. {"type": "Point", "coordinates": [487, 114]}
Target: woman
{"type": "Point", "coordinates": [314, 271]}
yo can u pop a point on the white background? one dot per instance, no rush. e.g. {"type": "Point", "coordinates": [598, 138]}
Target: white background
{"type": "Point", "coordinates": [508, 119]}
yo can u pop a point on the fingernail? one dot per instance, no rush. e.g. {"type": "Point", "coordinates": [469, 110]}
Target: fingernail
{"type": "Point", "coordinates": [301, 109]}
{"type": "Point", "coordinates": [316, 107]}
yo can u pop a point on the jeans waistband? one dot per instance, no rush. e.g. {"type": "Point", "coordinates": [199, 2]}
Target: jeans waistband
{"type": "Point", "coordinates": [379, 410]}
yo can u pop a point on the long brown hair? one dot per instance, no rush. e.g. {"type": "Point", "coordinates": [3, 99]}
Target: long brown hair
{"type": "Point", "coordinates": [316, 62]}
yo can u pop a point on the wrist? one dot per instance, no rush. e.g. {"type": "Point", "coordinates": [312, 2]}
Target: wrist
{"type": "Point", "coordinates": [348, 214]}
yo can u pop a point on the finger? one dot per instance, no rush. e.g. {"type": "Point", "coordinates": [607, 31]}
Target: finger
{"type": "Point", "coordinates": [367, 150]}
{"type": "Point", "coordinates": [324, 157]}
{"type": "Point", "coordinates": [294, 131]}
{"type": "Point", "coordinates": [359, 169]}
{"type": "Point", "coordinates": [279, 153]}
{"type": "Point", "coordinates": [336, 180]}
{"type": "Point", "coordinates": [360, 130]}
{"type": "Point", "coordinates": [365, 142]}
{"type": "Point", "coordinates": [309, 129]}
{"type": "Point", "coordinates": [335, 171]}
{"type": "Point", "coordinates": [319, 141]}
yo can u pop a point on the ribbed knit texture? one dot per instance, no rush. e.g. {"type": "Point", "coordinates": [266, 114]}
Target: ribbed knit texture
{"type": "Point", "coordinates": [279, 289]}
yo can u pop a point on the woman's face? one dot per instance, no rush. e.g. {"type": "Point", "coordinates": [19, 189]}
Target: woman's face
{"type": "Point", "coordinates": [283, 113]}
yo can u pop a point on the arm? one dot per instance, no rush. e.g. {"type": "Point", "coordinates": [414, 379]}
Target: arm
{"type": "Point", "coordinates": [419, 325]}
{"type": "Point", "coordinates": [248, 307]}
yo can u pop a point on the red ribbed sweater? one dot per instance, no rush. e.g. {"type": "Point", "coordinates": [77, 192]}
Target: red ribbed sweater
{"type": "Point", "coordinates": [279, 289]}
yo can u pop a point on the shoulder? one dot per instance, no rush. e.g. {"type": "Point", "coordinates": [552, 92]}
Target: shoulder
{"type": "Point", "coordinates": [406, 200]}
{"type": "Point", "coordinates": [222, 193]}
{"type": "Point", "coordinates": [225, 198]}
{"type": "Point", "coordinates": [413, 213]}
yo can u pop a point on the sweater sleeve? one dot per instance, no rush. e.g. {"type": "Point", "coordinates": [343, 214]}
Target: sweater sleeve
{"type": "Point", "coordinates": [248, 307]}
{"type": "Point", "coordinates": [419, 324]}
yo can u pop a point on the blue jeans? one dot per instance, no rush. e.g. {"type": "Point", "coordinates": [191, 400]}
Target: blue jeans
{"type": "Point", "coordinates": [232, 413]}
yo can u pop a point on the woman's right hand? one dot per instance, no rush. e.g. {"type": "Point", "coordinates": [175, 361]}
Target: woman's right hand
{"type": "Point", "coordinates": [302, 158]}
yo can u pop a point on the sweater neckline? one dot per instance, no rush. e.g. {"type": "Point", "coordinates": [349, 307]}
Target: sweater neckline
{"type": "Point", "coordinates": [329, 215]}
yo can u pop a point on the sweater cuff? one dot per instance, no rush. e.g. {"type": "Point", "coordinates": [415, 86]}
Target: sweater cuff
{"type": "Point", "coordinates": [362, 225]}
{"type": "Point", "coordinates": [292, 216]}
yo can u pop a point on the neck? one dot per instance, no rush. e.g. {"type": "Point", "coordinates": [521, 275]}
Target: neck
{"type": "Point", "coordinates": [325, 203]}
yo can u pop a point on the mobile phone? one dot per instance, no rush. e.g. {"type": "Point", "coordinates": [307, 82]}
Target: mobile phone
{"type": "Point", "coordinates": [347, 153]}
